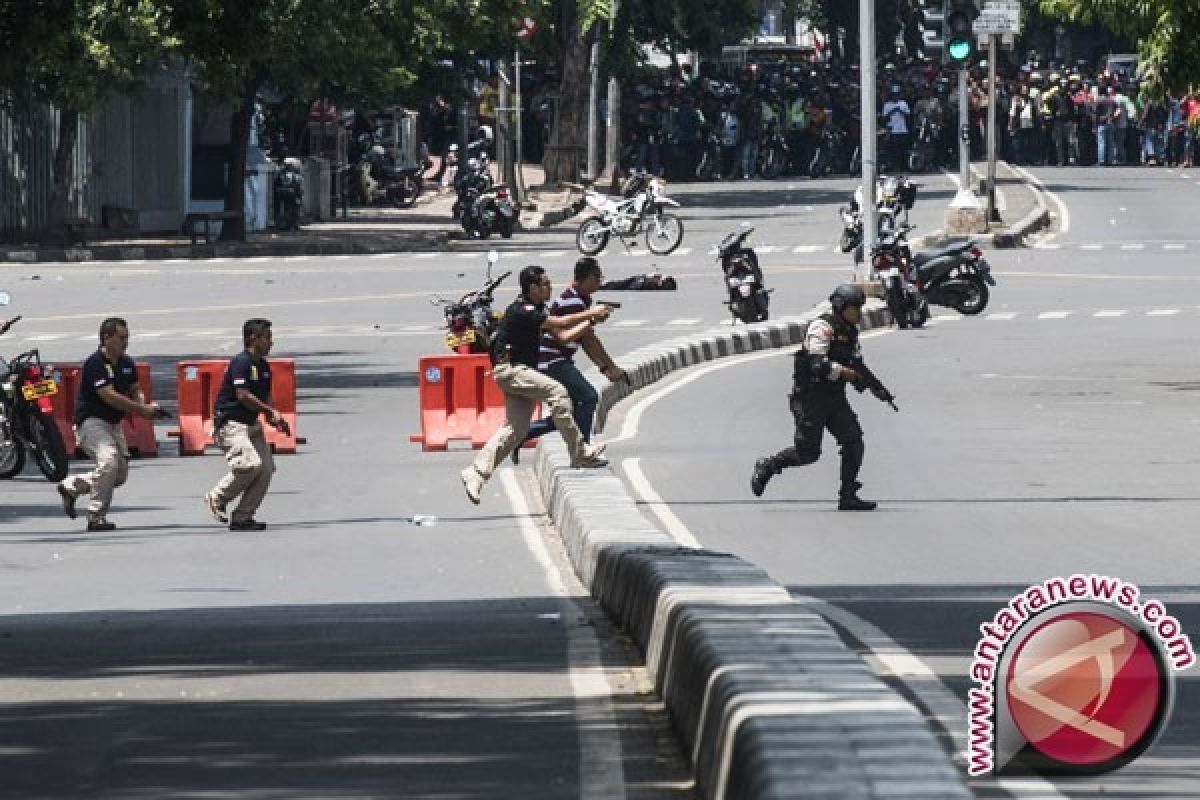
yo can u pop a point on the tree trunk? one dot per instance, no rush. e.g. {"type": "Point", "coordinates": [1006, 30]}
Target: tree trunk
{"type": "Point", "coordinates": [64, 174]}
{"type": "Point", "coordinates": [234, 230]}
{"type": "Point", "coordinates": [564, 156]}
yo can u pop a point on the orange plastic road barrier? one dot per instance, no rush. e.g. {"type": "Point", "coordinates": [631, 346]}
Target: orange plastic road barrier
{"type": "Point", "coordinates": [200, 381]}
{"type": "Point", "coordinates": [460, 401]}
{"type": "Point", "coordinates": [139, 433]}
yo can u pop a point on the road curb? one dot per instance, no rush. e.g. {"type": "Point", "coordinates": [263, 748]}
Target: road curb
{"type": "Point", "coordinates": [422, 241]}
{"type": "Point", "coordinates": [766, 699]}
{"type": "Point", "coordinates": [1034, 221]}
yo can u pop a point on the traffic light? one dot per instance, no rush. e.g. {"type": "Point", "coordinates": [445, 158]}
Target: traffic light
{"type": "Point", "coordinates": [933, 17]}
{"type": "Point", "coordinates": [960, 38]}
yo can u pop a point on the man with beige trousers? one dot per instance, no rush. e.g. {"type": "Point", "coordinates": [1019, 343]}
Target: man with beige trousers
{"type": "Point", "coordinates": [108, 391]}
{"type": "Point", "coordinates": [244, 397]}
{"type": "Point", "coordinates": [514, 354]}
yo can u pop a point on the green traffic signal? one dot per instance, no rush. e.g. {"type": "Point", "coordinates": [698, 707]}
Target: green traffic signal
{"type": "Point", "coordinates": [959, 50]}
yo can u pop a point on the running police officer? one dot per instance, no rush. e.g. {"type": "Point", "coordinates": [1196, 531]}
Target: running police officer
{"type": "Point", "coordinates": [108, 391]}
{"type": "Point", "coordinates": [829, 359]}
{"type": "Point", "coordinates": [244, 396]}
{"type": "Point", "coordinates": [514, 355]}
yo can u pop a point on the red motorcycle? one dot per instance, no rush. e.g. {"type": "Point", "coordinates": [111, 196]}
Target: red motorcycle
{"type": "Point", "coordinates": [27, 418]}
{"type": "Point", "coordinates": [471, 322]}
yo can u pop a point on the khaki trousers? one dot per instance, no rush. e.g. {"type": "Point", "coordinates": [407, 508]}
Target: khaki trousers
{"type": "Point", "coordinates": [104, 443]}
{"type": "Point", "coordinates": [251, 466]}
{"type": "Point", "coordinates": [523, 387]}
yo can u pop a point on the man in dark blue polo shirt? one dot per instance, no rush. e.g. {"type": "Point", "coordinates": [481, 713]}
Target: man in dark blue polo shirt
{"type": "Point", "coordinates": [108, 391]}
{"type": "Point", "coordinates": [244, 396]}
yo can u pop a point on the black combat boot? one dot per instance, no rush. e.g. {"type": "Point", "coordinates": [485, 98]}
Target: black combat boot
{"type": "Point", "coordinates": [764, 470]}
{"type": "Point", "coordinates": [848, 499]}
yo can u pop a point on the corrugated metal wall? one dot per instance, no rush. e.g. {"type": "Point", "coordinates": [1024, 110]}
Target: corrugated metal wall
{"type": "Point", "coordinates": [28, 138]}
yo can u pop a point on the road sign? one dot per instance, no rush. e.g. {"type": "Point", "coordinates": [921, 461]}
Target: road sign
{"type": "Point", "coordinates": [998, 17]}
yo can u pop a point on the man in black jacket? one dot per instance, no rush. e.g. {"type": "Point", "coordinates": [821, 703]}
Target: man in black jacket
{"type": "Point", "coordinates": [829, 359]}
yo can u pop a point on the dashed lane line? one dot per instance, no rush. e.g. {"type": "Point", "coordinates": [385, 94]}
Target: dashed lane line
{"type": "Point", "coordinates": [1002, 316]}
{"type": "Point", "coordinates": [1054, 314]}
{"type": "Point", "coordinates": [1163, 312]}
{"type": "Point", "coordinates": [1109, 314]}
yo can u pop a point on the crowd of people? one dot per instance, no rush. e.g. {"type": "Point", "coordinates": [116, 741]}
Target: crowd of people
{"type": "Point", "coordinates": [807, 118]}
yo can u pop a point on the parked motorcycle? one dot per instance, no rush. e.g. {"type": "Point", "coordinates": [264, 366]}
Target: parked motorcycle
{"type": "Point", "coordinates": [27, 418]}
{"type": "Point", "coordinates": [490, 211]}
{"type": "Point", "coordinates": [380, 182]}
{"type": "Point", "coordinates": [471, 322]}
{"type": "Point", "coordinates": [641, 206]}
{"type": "Point", "coordinates": [289, 195]}
{"type": "Point", "coordinates": [471, 179]}
{"type": "Point", "coordinates": [957, 277]}
{"type": "Point", "coordinates": [749, 298]}
{"type": "Point", "coordinates": [895, 197]}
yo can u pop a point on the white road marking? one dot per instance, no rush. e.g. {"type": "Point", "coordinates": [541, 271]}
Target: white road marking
{"type": "Point", "coordinates": [655, 504]}
{"type": "Point", "coordinates": [682, 322]}
{"type": "Point", "coordinates": [947, 318]}
{"type": "Point", "coordinates": [1003, 316]}
{"type": "Point", "coordinates": [554, 254]}
{"type": "Point", "coordinates": [468, 255]}
{"type": "Point", "coordinates": [809, 248]}
{"type": "Point", "coordinates": [1064, 214]}
{"type": "Point", "coordinates": [1133, 246]}
{"type": "Point", "coordinates": [769, 249]}
{"type": "Point", "coordinates": [923, 682]}
{"type": "Point", "coordinates": [1054, 314]}
{"type": "Point", "coordinates": [46, 337]}
{"type": "Point", "coordinates": [601, 770]}
{"type": "Point", "coordinates": [629, 323]}
{"type": "Point", "coordinates": [1174, 247]}
{"type": "Point", "coordinates": [1163, 312]}
{"type": "Point", "coordinates": [1091, 247]}
{"type": "Point", "coordinates": [1109, 314]}
{"type": "Point", "coordinates": [425, 256]}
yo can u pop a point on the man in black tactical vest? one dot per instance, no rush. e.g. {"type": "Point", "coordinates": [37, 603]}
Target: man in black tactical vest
{"type": "Point", "coordinates": [829, 359]}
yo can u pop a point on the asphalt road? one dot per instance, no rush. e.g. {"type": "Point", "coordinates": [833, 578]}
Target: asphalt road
{"type": "Point", "coordinates": [349, 652]}
{"type": "Point", "coordinates": [1052, 436]}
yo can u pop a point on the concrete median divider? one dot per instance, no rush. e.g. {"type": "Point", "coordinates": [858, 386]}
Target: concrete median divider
{"type": "Point", "coordinates": [764, 696]}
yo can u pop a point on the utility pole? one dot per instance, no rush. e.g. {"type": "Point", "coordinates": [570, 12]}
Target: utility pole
{"type": "Point", "coordinates": [593, 155]}
{"type": "Point", "coordinates": [993, 55]}
{"type": "Point", "coordinates": [612, 140]}
{"type": "Point", "coordinates": [504, 127]}
{"type": "Point", "coordinates": [866, 36]}
{"type": "Point", "coordinates": [519, 186]}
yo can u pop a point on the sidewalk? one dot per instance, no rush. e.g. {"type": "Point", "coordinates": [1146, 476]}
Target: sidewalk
{"type": "Point", "coordinates": [427, 226]}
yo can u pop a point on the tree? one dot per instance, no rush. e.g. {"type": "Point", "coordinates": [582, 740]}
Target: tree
{"type": "Point", "coordinates": [70, 53]}
{"type": "Point", "coordinates": [1165, 30]}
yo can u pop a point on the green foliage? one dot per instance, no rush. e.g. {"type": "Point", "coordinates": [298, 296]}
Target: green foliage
{"type": "Point", "coordinates": [1164, 29]}
{"type": "Point", "coordinates": [69, 52]}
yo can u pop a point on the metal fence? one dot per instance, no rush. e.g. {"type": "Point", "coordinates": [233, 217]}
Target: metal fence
{"type": "Point", "coordinates": [28, 139]}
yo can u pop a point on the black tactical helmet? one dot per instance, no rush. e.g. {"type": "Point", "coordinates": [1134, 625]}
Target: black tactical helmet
{"type": "Point", "coordinates": [847, 295]}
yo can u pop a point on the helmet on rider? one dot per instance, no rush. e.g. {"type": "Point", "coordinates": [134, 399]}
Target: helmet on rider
{"type": "Point", "coordinates": [847, 295]}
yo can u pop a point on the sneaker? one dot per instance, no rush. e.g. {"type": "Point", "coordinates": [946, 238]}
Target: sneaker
{"type": "Point", "coordinates": [762, 474]}
{"type": "Point", "coordinates": [68, 501]}
{"type": "Point", "coordinates": [247, 525]}
{"type": "Point", "coordinates": [590, 462]}
{"type": "Point", "coordinates": [473, 484]}
{"type": "Point", "coordinates": [98, 524]}
{"type": "Point", "coordinates": [214, 508]}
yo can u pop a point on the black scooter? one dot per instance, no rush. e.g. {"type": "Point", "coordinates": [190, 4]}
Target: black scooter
{"type": "Point", "coordinates": [749, 299]}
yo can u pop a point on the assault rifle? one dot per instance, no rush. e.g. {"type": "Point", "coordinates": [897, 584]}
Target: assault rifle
{"type": "Point", "coordinates": [869, 380]}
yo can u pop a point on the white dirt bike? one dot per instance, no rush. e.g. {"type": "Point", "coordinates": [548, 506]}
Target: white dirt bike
{"type": "Point", "coordinates": [640, 207]}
